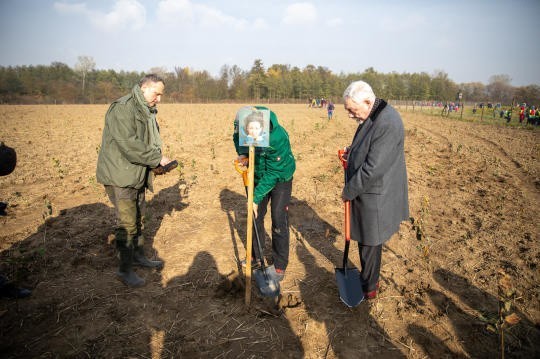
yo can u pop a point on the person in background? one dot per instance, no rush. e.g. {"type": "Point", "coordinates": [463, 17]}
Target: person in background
{"type": "Point", "coordinates": [130, 149]}
{"type": "Point", "coordinates": [274, 170]}
{"type": "Point", "coordinates": [330, 109]}
{"type": "Point", "coordinates": [8, 162]}
{"type": "Point", "coordinates": [521, 113]}
{"type": "Point", "coordinates": [532, 116]}
{"type": "Point", "coordinates": [376, 178]}
{"type": "Point", "coordinates": [508, 115]}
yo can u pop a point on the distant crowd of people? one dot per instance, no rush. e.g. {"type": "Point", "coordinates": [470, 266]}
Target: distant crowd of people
{"type": "Point", "coordinates": [528, 114]}
{"type": "Point", "coordinates": [317, 102]}
{"type": "Point", "coordinates": [322, 103]}
{"type": "Point", "coordinates": [451, 107]}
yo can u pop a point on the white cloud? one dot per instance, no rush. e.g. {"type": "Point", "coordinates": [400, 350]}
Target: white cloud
{"type": "Point", "coordinates": [300, 14]}
{"type": "Point", "coordinates": [125, 14]}
{"type": "Point", "coordinates": [210, 17]}
{"type": "Point", "coordinates": [176, 13]}
{"type": "Point", "coordinates": [173, 12]}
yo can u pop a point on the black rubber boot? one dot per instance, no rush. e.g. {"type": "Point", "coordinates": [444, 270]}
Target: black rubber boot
{"type": "Point", "coordinates": [125, 272]}
{"type": "Point", "coordinates": [139, 259]}
{"type": "Point", "coordinates": [3, 207]}
{"type": "Point", "coordinates": [10, 290]}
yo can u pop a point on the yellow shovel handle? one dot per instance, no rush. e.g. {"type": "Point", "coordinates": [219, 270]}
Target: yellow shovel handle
{"type": "Point", "coordinates": [241, 168]}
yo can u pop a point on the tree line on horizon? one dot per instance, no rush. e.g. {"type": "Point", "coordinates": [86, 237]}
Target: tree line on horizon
{"type": "Point", "coordinates": [83, 84]}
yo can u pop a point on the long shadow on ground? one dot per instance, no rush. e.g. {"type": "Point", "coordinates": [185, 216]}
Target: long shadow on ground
{"type": "Point", "coordinates": [521, 340]}
{"type": "Point", "coordinates": [352, 333]}
{"type": "Point", "coordinates": [77, 307]}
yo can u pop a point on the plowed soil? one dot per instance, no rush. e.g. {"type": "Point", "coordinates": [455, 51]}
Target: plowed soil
{"type": "Point", "coordinates": [474, 196]}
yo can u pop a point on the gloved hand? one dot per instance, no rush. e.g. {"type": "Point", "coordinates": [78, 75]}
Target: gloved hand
{"type": "Point", "coordinates": [243, 160]}
{"type": "Point", "coordinates": [160, 170]}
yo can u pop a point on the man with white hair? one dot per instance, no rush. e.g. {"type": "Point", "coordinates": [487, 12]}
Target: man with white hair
{"type": "Point", "coordinates": [376, 178]}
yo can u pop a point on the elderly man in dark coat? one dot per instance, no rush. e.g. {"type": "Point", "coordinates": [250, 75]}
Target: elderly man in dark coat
{"type": "Point", "coordinates": [376, 178]}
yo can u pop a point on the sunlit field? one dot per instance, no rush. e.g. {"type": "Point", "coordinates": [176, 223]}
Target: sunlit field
{"type": "Point", "coordinates": [454, 279]}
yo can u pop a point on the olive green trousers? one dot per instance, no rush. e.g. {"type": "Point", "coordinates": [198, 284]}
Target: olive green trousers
{"type": "Point", "coordinates": [130, 208]}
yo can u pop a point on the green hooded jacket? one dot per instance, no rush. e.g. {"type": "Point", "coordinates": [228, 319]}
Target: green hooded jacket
{"type": "Point", "coordinates": [131, 144]}
{"type": "Point", "coordinates": [273, 164]}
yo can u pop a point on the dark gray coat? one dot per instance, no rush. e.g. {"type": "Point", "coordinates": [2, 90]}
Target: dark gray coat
{"type": "Point", "coordinates": [376, 177]}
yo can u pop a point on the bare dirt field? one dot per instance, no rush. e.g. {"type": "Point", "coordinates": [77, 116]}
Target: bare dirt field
{"type": "Point", "coordinates": [474, 201]}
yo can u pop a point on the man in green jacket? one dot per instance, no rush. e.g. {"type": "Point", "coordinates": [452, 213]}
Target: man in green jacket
{"type": "Point", "coordinates": [130, 148]}
{"type": "Point", "coordinates": [274, 169]}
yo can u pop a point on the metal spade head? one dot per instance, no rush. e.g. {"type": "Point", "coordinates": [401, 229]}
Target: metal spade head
{"type": "Point", "coordinates": [266, 282]}
{"type": "Point", "coordinates": [350, 286]}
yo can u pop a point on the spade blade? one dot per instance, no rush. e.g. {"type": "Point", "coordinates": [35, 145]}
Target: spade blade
{"type": "Point", "coordinates": [350, 286]}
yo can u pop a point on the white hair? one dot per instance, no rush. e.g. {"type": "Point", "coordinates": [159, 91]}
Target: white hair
{"type": "Point", "coordinates": [359, 91]}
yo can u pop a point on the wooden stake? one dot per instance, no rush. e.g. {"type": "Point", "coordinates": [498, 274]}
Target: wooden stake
{"type": "Point", "coordinates": [249, 239]}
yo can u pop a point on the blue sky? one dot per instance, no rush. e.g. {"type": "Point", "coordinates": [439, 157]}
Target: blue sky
{"type": "Point", "coordinates": [469, 40]}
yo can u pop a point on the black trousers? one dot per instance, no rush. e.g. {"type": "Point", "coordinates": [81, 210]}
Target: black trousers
{"type": "Point", "coordinates": [370, 259]}
{"type": "Point", "coordinates": [279, 199]}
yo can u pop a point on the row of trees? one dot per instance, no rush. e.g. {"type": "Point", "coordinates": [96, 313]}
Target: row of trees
{"type": "Point", "coordinates": [58, 83]}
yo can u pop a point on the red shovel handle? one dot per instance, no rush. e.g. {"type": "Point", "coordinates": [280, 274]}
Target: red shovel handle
{"type": "Point", "coordinates": [342, 154]}
{"type": "Point", "coordinates": [343, 158]}
{"type": "Point", "coordinates": [347, 220]}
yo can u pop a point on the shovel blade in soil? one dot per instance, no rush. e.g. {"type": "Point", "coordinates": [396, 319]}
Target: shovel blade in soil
{"type": "Point", "coordinates": [350, 287]}
{"type": "Point", "coordinates": [266, 282]}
